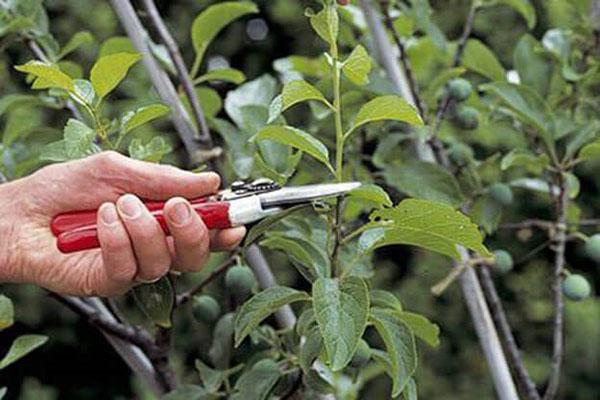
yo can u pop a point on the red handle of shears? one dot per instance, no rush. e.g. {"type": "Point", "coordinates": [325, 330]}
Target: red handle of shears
{"type": "Point", "coordinates": [76, 231]}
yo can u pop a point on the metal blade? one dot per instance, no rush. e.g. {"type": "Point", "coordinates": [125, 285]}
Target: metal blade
{"type": "Point", "coordinates": [303, 194]}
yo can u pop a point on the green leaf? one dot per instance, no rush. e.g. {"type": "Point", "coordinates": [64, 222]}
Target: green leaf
{"type": "Point", "coordinates": [258, 382]}
{"type": "Point", "coordinates": [299, 91]}
{"type": "Point", "coordinates": [523, 7]}
{"type": "Point", "coordinates": [258, 92]}
{"type": "Point", "coordinates": [298, 252]}
{"type": "Point", "coordinates": [153, 151]}
{"type": "Point", "coordinates": [526, 105]}
{"type": "Point", "coordinates": [326, 24]}
{"type": "Point", "coordinates": [384, 299]}
{"type": "Point", "coordinates": [266, 224]}
{"type": "Point", "coordinates": [261, 305]}
{"type": "Point", "coordinates": [211, 21]}
{"type": "Point", "coordinates": [371, 193]}
{"type": "Point", "coordinates": [421, 327]}
{"type": "Point", "coordinates": [487, 213]}
{"type": "Point", "coordinates": [431, 225]}
{"type": "Point", "coordinates": [116, 44]}
{"type": "Point", "coordinates": [48, 76]}
{"type": "Point", "coordinates": [479, 58]}
{"type": "Point", "coordinates": [297, 139]}
{"type": "Point", "coordinates": [77, 40]}
{"type": "Point", "coordinates": [222, 74]}
{"type": "Point", "coordinates": [110, 70]}
{"type": "Point", "coordinates": [7, 312]}
{"type": "Point", "coordinates": [156, 300]}
{"type": "Point", "coordinates": [386, 108]}
{"type": "Point", "coordinates": [3, 392]}
{"type": "Point", "coordinates": [141, 116]}
{"type": "Point", "coordinates": [430, 94]}
{"type": "Point", "coordinates": [425, 180]}
{"type": "Point", "coordinates": [221, 348]}
{"type": "Point", "coordinates": [84, 91]}
{"type": "Point", "coordinates": [341, 309]}
{"type": "Point", "coordinates": [521, 158]}
{"type": "Point", "coordinates": [590, 151]}
{"type": "Point", "coordinates": [358, 66]}
{"type": "Point", "coordinates": [78, 139]}
{"type": "Point", "coordinates": [400, 346]}
{"type": "Point", "coordinates": [22, 346]}
{"type": "Point", "coordinates": [212, 379]}
{"type": "Point", "coordinates": [54, 152]}
{"type": "Point", "coordinates": [534, 68]}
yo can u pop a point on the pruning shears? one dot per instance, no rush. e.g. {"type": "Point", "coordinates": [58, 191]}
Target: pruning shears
{"type": "Point", "coordinates": [241, 204]}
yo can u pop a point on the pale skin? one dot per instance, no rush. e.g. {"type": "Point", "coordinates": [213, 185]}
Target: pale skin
{"type": "Point", "coordinates": [133, 247]}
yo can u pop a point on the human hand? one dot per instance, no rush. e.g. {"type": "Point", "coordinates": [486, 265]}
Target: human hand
{"type": "Point", "coordinates": [133, 249]}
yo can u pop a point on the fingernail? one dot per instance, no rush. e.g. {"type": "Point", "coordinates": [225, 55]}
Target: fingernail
{"type": "Point", "coordinates": [180, 213]}
{"type": "Point", "coordinates": [108, 214]}
{"type": "Point", "coordinates": [129, 206]}
{"type": "Point", "coordinates": [213, 177]}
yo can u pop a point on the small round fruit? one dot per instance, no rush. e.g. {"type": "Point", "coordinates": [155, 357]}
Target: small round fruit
{"type": "Point", "coordinates": [467, 117]}
{"type": "Point", "coordinates": [362, 355]}
{"type": "Point", "coordinates": [459, 89]}
{"type": "Point", "coordinates": [592, 247]}
{"type": "Point", "coordinates": [240, 280]}
{"type": "Point", "coordinates": [501, 193]}
{"type": "Point", "coordinates": [460, 153]}
{"type": "Point", "coordinates": [205, 309]}
{"type": "Point", "coordinates": [575, 287]}
{"type": "Point", "coordinates": [503, 261]}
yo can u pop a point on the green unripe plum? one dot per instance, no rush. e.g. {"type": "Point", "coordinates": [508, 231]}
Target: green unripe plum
{"type": "Point", "coordinates": [467, 117]}
{"type": "Point", "coordinates": [501, 193]}
{"type": "Point", "coordinates": [592, 247]}
{"type": "Point", "coordinates": [240, 280]}
{"type": "Point", "coordinates": [362, 355]}
{"type": "Point", "coordinates": [205, 309]}
{"type": "Point", "coordinates": [460, 153]}
{"type": "Point", "coordinates": [459, 89]}
{"type": "Point", "coordinates": [575, 287]}
{"type": "Point", "coordinates": [503, 261]}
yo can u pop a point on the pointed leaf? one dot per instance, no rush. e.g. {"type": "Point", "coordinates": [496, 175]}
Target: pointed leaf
{"type": "Point", "coordinates": [258, 382]}
{"type": "Point", "coordinates": [386, 108]}
{"type": "Point", "coordinates": [371, 193]}
{"type": "Point", "coordinates": [222, 74]}
{"type": "Point", "coordinates": [48, 76]}
{"type": "Point", "coordinates": [341, 309]}
{"type": "Point", "coordinates": [261, 305]}
{"type": "Point", "coordinates": [479, 58]}
{"type": "Point", "coordinates": [295, 138]}
{"type": "Point", "coordinates": [212, 379]}
{"type": "Point", "coordinates": [156, 301]}
{"type": "Point", "coordinates": [266, 224]}
{"type": "Point", "coordinates": [326, 24]}
{"type": "Point", "coordinates": [142, 115]}
{"type": "Point", "coordinates": [384, 299]}
{"type": "Point", "coordinates": [153, 151]}
{"type": "Point", "coordinates": [400, 346]}
{"type": "Point", "coordinates": [77, 40]}
{"type": "Point", "coordinates": [78, 139]}
{"type": "Point", "coordinates": [110, 70]}
{"type": "Point", "coordinates": [22, 346]}
{"type": "Point", "coordinates": [298, 91]}
{"type": "Point", "coordinates": [523, 7]}
{"type": "Point", "coordinates": [431, 225]}
{"type": "Point", "coordinates": [358, 66]}
{"type": "Point", "coordinates": [421, 327]}
{"type": "Point", "coordinates": [211, 21]}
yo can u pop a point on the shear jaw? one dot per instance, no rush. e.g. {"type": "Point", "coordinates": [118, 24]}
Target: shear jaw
{"type": "Point", "coordinates": [246, 210]}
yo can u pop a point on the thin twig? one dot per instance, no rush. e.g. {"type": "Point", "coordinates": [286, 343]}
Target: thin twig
{"type": "Point", "coordinates": [160, 80]}
{"type": "Point", "coordinates": [560, 239]}
{"type": "Point", "coordinates": [523, 379]}
{"type": "Point", "coordinates": [224, 266]}
{"type": "Point", "coordinates": [410, 77]}
{"type": "Point", "coordinates": [182, 71]}
{"type": "Point", "coordinates": [161, 359]}
{"type": "Point", "coordinates": [529, 223]}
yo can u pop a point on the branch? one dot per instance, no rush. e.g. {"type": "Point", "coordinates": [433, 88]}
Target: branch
{"type": "Point", "coordinates": [224, 266]}
{"type": "Point", "coordinates": [182, 71]}
{"type": "Point", "coordinates": [406, 66]}
{"type": "Point", "coordinates": [560, 239]}
{"type": "Point", "coordinates": [524, 381]}
{"type": "Point", "coordinates": [160, 80]}
{"type": "Point", "coordinates": [480, 314]}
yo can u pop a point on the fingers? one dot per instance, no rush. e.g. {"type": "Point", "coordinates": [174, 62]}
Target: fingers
{"type": "Point", "coordinates": [190, 235]}
{"type": "Point", "coordinates": [147, 239]}
{"type": "Point", "coordinates": [119, 263]}
{"type": "Point", "coordinates": [150, 181]}
{"type": "Point", "coordinates": [226, 239]}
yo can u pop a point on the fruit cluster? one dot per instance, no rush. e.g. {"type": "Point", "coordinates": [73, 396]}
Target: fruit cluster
{"type": "Point", "coordinates": [463, 116]}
